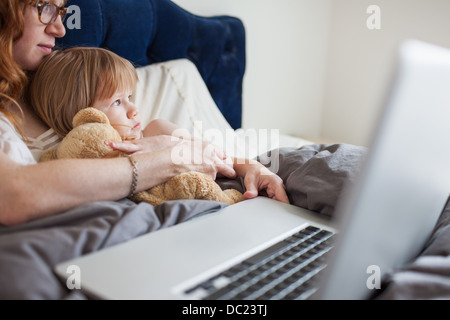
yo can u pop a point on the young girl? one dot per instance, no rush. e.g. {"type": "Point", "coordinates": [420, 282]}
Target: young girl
{"type": "Point", "coordinates": [101, 79]}
{"type": "Point", "coordinates": [81, 78]}
{"type": "Point", "coordinates": [98, 78]}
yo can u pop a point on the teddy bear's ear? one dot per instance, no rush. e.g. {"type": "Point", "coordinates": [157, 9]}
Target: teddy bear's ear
{"type": "Point", "coordinates": [89, 115]}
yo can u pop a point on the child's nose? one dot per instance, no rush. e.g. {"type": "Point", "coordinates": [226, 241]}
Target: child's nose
{"type": "Point", "coordinates": [132, 112]}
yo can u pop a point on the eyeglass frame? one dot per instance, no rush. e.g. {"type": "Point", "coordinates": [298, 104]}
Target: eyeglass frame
{"type": "Point", "coordinates": [40, 4]}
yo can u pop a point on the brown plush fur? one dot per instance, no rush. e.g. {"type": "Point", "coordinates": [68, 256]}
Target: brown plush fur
{"type": "Point", "coordinates": [91, 128]}
{"type": "Point", "coordinates": [188, 185]}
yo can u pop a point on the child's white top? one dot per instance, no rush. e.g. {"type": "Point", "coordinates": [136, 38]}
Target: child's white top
{"type": "Point", "coordinates": [28, 152]}
{"type": "Point", "coordinates": [46, 141]}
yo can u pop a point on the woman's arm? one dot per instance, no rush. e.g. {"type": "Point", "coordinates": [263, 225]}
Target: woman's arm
{"type": "Point", "coordinates": [43, 189]}
{"type": "Point", "coordinates": [34, 191]}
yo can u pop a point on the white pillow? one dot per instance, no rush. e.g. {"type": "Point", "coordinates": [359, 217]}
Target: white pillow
{"type": "Point", "coordinates": [175, 91]}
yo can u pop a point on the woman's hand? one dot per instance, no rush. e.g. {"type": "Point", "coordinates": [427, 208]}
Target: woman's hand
{"type": "Point", "coordinates": [186, 154]}
{"type": "Point", "coordinates": [201, 156]}
{"type": "Point", "coordinates": [258, 178]}
{"type": "Point", "coordinates": [155, 143]}
{"type": "Point", "coordinates": [146, 144]}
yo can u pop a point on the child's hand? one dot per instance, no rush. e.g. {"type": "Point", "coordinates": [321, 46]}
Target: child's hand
{"type": "Point", "coordinates": [258, 178]}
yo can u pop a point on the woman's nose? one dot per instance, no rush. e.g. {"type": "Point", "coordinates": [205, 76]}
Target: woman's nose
{"type": "Point", "coordinates": [57, 28]}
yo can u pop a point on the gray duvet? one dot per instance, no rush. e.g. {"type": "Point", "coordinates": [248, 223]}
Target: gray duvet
{"type": "Point", "coordinates": [314, 176]}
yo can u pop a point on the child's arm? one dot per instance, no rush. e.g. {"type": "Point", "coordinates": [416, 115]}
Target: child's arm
{"type": "Point", "coordinates": [160, 127]}
{"type": "Point", "coordinates": [163, 127]}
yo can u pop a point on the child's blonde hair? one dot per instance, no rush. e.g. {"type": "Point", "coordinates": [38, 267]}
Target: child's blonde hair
{"type": "Point", "coordinates": [70, 80]}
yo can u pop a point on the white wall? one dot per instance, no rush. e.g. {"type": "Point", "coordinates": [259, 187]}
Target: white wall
{"type": "Point", "coordinates": [314, 69]}
{"type": "Point", "coordinates": [360, 61]}
{"type": "Point", "coordinates": [286, 49]}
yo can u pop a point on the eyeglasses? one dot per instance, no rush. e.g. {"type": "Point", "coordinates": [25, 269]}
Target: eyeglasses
{"type": "Point", "coordinates": [48, 12]}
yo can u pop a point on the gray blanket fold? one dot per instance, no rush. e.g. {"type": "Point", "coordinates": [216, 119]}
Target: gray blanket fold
{"type": "Point", "coordinates": [315, 175]}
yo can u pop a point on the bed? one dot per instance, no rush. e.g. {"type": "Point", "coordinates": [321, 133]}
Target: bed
{"type": "Point", "coordinates": [150, 32]}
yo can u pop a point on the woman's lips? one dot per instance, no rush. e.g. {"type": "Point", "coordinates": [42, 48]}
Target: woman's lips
{"type": "Point", "coordinates": [46, 48]}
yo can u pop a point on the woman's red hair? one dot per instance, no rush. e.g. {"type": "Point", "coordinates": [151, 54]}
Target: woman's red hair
{"type": "Point", "coordinates": [12, 78]}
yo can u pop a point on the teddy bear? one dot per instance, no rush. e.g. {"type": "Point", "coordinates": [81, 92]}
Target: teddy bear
{"type": "Point", "coordinates": [91, 128]}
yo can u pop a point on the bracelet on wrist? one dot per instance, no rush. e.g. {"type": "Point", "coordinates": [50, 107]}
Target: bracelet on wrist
{"type": "Point", "coordinates": [135, 175]}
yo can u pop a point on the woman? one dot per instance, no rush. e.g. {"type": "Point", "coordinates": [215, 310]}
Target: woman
{"type": "Point", "coordinates": [31, 190]}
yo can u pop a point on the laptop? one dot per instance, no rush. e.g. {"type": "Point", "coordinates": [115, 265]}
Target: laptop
{"type": "Point", "coordinates": [265, 249]}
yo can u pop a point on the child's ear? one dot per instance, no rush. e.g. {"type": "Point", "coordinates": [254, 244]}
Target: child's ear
{"type": "Point", "coordinates": [89, 115]}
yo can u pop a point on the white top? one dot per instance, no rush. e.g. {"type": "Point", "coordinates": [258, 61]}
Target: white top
{"type": "Point", "coordinates": [46, 141]}
{"type": "Point", "coordinates": [12, 144]}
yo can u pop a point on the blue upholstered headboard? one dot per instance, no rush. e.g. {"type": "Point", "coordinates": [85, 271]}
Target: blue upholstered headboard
{"type": "Point", "coordinates": [148, 31]}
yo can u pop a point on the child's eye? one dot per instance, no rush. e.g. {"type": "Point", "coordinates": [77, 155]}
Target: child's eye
{"type": "Point", "coordinates": [116, 103]}
{"type": "Point", "coordinates": [129, 97]}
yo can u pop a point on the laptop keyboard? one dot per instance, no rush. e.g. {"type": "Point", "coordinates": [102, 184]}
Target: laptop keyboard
{"type": "Point", "coordinates": [285, 270]}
